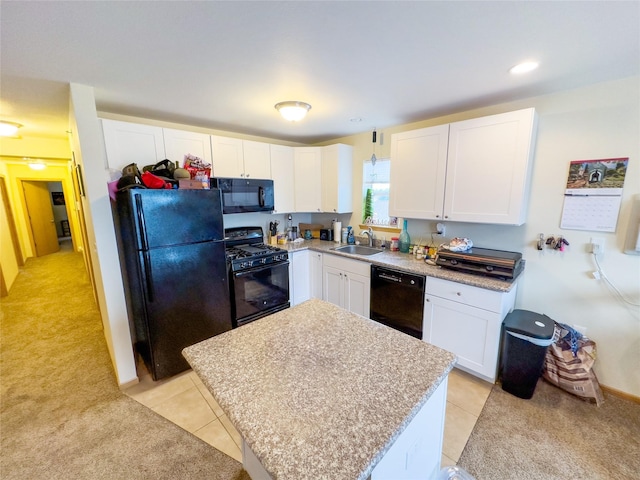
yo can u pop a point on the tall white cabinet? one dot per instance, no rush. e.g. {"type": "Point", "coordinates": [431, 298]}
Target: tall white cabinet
{"type": "Point", "coordinates": [308, 174]}
{"type": "Point", "coordinates": [471, 171]}
{"type": "Point", "coordinates": [282, 173]}
{"type": "Point", "coordinates": [337, 177]}
{"type": "Point", "coordinates": [418, 169]}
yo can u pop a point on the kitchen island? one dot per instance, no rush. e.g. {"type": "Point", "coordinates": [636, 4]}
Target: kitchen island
{"type": "Point", "coordinates": [318, 392]}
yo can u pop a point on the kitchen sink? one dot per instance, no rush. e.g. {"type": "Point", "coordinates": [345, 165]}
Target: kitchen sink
{"type": "Point", "coordinates": [357, 250]}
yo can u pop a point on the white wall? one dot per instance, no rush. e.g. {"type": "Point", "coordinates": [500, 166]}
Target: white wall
{"type": "Point", "coordinates": [88, 146]}
{"type": "Point", "coordinates": [601, 121]}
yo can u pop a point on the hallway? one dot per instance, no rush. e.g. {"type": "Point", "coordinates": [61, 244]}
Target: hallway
{"type": "Point", "coordinates": [62, 415]}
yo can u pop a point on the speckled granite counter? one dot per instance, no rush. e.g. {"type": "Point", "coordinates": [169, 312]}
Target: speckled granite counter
{"type": "Point", "coordinates": [319, 392]}
{"type": "Point", "coordinates": [407, 262]}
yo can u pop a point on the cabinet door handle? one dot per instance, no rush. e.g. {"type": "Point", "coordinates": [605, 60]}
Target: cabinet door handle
{"type": "Point", "coordinates": [247, 175]}
{"type": "Point", "coordinates": [459, 294]}
{"type": "Point", "coordinates": [427, 300]}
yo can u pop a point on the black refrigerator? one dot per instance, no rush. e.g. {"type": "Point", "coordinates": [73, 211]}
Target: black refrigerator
{"type": "Point", "coordinates": [172, 252]}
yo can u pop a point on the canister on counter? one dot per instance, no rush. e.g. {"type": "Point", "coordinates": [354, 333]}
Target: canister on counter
{"type": "Point", "coordinates": [394, 247]}
{"type": "Point", "coordinates": [345, 233]}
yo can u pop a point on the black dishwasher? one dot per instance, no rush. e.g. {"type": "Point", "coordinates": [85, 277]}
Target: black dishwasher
{"type": "Point", "coordinates": [397, 300]}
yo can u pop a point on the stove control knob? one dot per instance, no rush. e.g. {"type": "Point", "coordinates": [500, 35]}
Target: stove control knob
{"type": "Point", "coordinates": [489, 268]}
{"type": "Point", "coordinates": [454, 262]}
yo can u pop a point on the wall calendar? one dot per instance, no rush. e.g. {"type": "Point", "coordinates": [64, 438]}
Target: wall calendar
{"type": "Point", "coordinates": [593, 194]}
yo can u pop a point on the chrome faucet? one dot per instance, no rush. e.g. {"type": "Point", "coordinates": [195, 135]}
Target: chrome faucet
{"type": "Point", "coordinates": [369, 234]}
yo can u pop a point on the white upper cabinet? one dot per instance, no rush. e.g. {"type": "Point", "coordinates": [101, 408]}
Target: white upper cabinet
{"type": "Point", "coordinates": [488, 168]}
{"type": "Point", "coordinates": [228, 160]}
{"type": "Point", "coordinates": [471, 171]}
{"type": "Point", "coordinates": [308, 175]}
{"type": "Point", "coordinates": [178, 143]}
{"type": "Point", "coordinates": [337, 176]}
{"type": "Point", "coordinates": [127, 143]}
{"type": "Point", "coordinates": [257, 159]}
{"type": "Point", "coordinates": [418, 168]}
{"type": "Point", "coordinates": [237, 158]}
{"type": "Point", "coordinates": [282, 172]}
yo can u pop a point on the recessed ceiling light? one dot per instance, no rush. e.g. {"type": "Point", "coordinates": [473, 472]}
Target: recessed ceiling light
{"type": "Point", "coordinates": [523, 67]}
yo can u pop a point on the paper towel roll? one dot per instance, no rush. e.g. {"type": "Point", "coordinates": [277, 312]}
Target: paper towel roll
{"type": "Point", "coordinates": [337, 229]}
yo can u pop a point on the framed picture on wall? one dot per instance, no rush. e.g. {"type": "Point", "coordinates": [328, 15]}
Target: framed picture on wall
{"type": "Point", "coordinates": [57, 198]}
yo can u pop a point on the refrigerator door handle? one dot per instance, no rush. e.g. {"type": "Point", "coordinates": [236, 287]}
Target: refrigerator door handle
{"type": "Point", "coordinates": [142, 227]}
{"type": "Point", "coordinates": [261, 196]}
{"type": "Point", "coordinates": [148, 279]}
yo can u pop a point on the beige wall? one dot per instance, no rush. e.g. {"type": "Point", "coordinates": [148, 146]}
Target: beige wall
{"type": "Point", "coordinates": [601, 121]}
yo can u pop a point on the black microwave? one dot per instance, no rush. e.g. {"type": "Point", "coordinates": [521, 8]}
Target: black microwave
{"type": "Point", "coordinates": [242, 195]}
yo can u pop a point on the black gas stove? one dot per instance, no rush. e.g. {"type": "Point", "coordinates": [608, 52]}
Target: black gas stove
{"type": "Point", "coordinates": [258, 275]}
{"type": "Point", "coordinates": [244, 249]}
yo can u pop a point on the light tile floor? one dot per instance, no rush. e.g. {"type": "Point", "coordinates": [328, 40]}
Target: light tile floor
{"type": "Point", "coordinates": [185, 401]}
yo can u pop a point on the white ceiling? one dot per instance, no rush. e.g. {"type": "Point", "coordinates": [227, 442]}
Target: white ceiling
{"type": "Point", "coordinates": [223, 65]}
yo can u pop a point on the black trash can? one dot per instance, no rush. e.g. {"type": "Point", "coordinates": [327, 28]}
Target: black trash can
{"type": "Point", "coordinates": [525, 338]}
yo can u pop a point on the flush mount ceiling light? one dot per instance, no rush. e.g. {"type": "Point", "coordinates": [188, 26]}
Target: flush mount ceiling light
{"type": "Point", "coordinates": [9, 129]}
{"type": "Point", "coordinates": [36, 165]}
{"type": "Point", "coordinates": [523, 67]}
{"type": "Point", "coordinates": [293, 111]}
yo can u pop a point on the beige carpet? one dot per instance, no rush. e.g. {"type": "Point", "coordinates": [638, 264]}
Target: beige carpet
{"type": "Point", "coordinates": [554, 436]}
{"type": "Point", "coordinates": [62, 415]}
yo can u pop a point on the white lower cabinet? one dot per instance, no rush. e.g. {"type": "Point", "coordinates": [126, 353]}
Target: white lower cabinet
{"type": "Point", "coordinates": [467, 321]}
{"type": "Point", "coordinates": [299, 276]}
{"type": "Point", "coordinates": [315, 266]}
{"type": "Point", "coordinates": [347, 283]}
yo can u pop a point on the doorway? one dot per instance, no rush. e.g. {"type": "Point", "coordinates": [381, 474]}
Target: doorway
{"type": "Point", "coordinates": [40, 216]}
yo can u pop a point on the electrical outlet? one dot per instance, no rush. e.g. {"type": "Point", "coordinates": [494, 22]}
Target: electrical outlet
{"type": "Point", "coordinates": [440, 228]}
{"type": "Point", "coordinates": [597, 245]}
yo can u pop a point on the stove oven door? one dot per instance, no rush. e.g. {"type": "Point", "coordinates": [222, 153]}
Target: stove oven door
{"type": "Point", "coordinates": [260, 291]}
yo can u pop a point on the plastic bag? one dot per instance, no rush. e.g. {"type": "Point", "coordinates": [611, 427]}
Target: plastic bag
{"type": "Point", "coordinates": [197, 168]}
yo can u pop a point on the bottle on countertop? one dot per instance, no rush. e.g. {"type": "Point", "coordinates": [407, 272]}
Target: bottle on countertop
{"type": "Point", "coordinates": [351, 240]}
{"type": "Point", "coordinates": [404, 240]}
{"type": "Point", "coordinates": [345, 234]}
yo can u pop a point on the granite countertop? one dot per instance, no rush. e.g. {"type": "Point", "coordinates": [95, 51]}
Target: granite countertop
{"type": "Point", "coordinates": [316, 391]}
{"type": "Point", "coordinates": [406, 262]}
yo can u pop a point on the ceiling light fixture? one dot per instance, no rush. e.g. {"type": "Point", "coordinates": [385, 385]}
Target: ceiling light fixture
{"type": "Point", "coordinates": [36, 165]}
{"type": "Point", "coordinates": [9, 129]}
{"type": "Point", "coordinates": [523, 67]}
{"type": "Point", "coordinates": [293, 111]}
